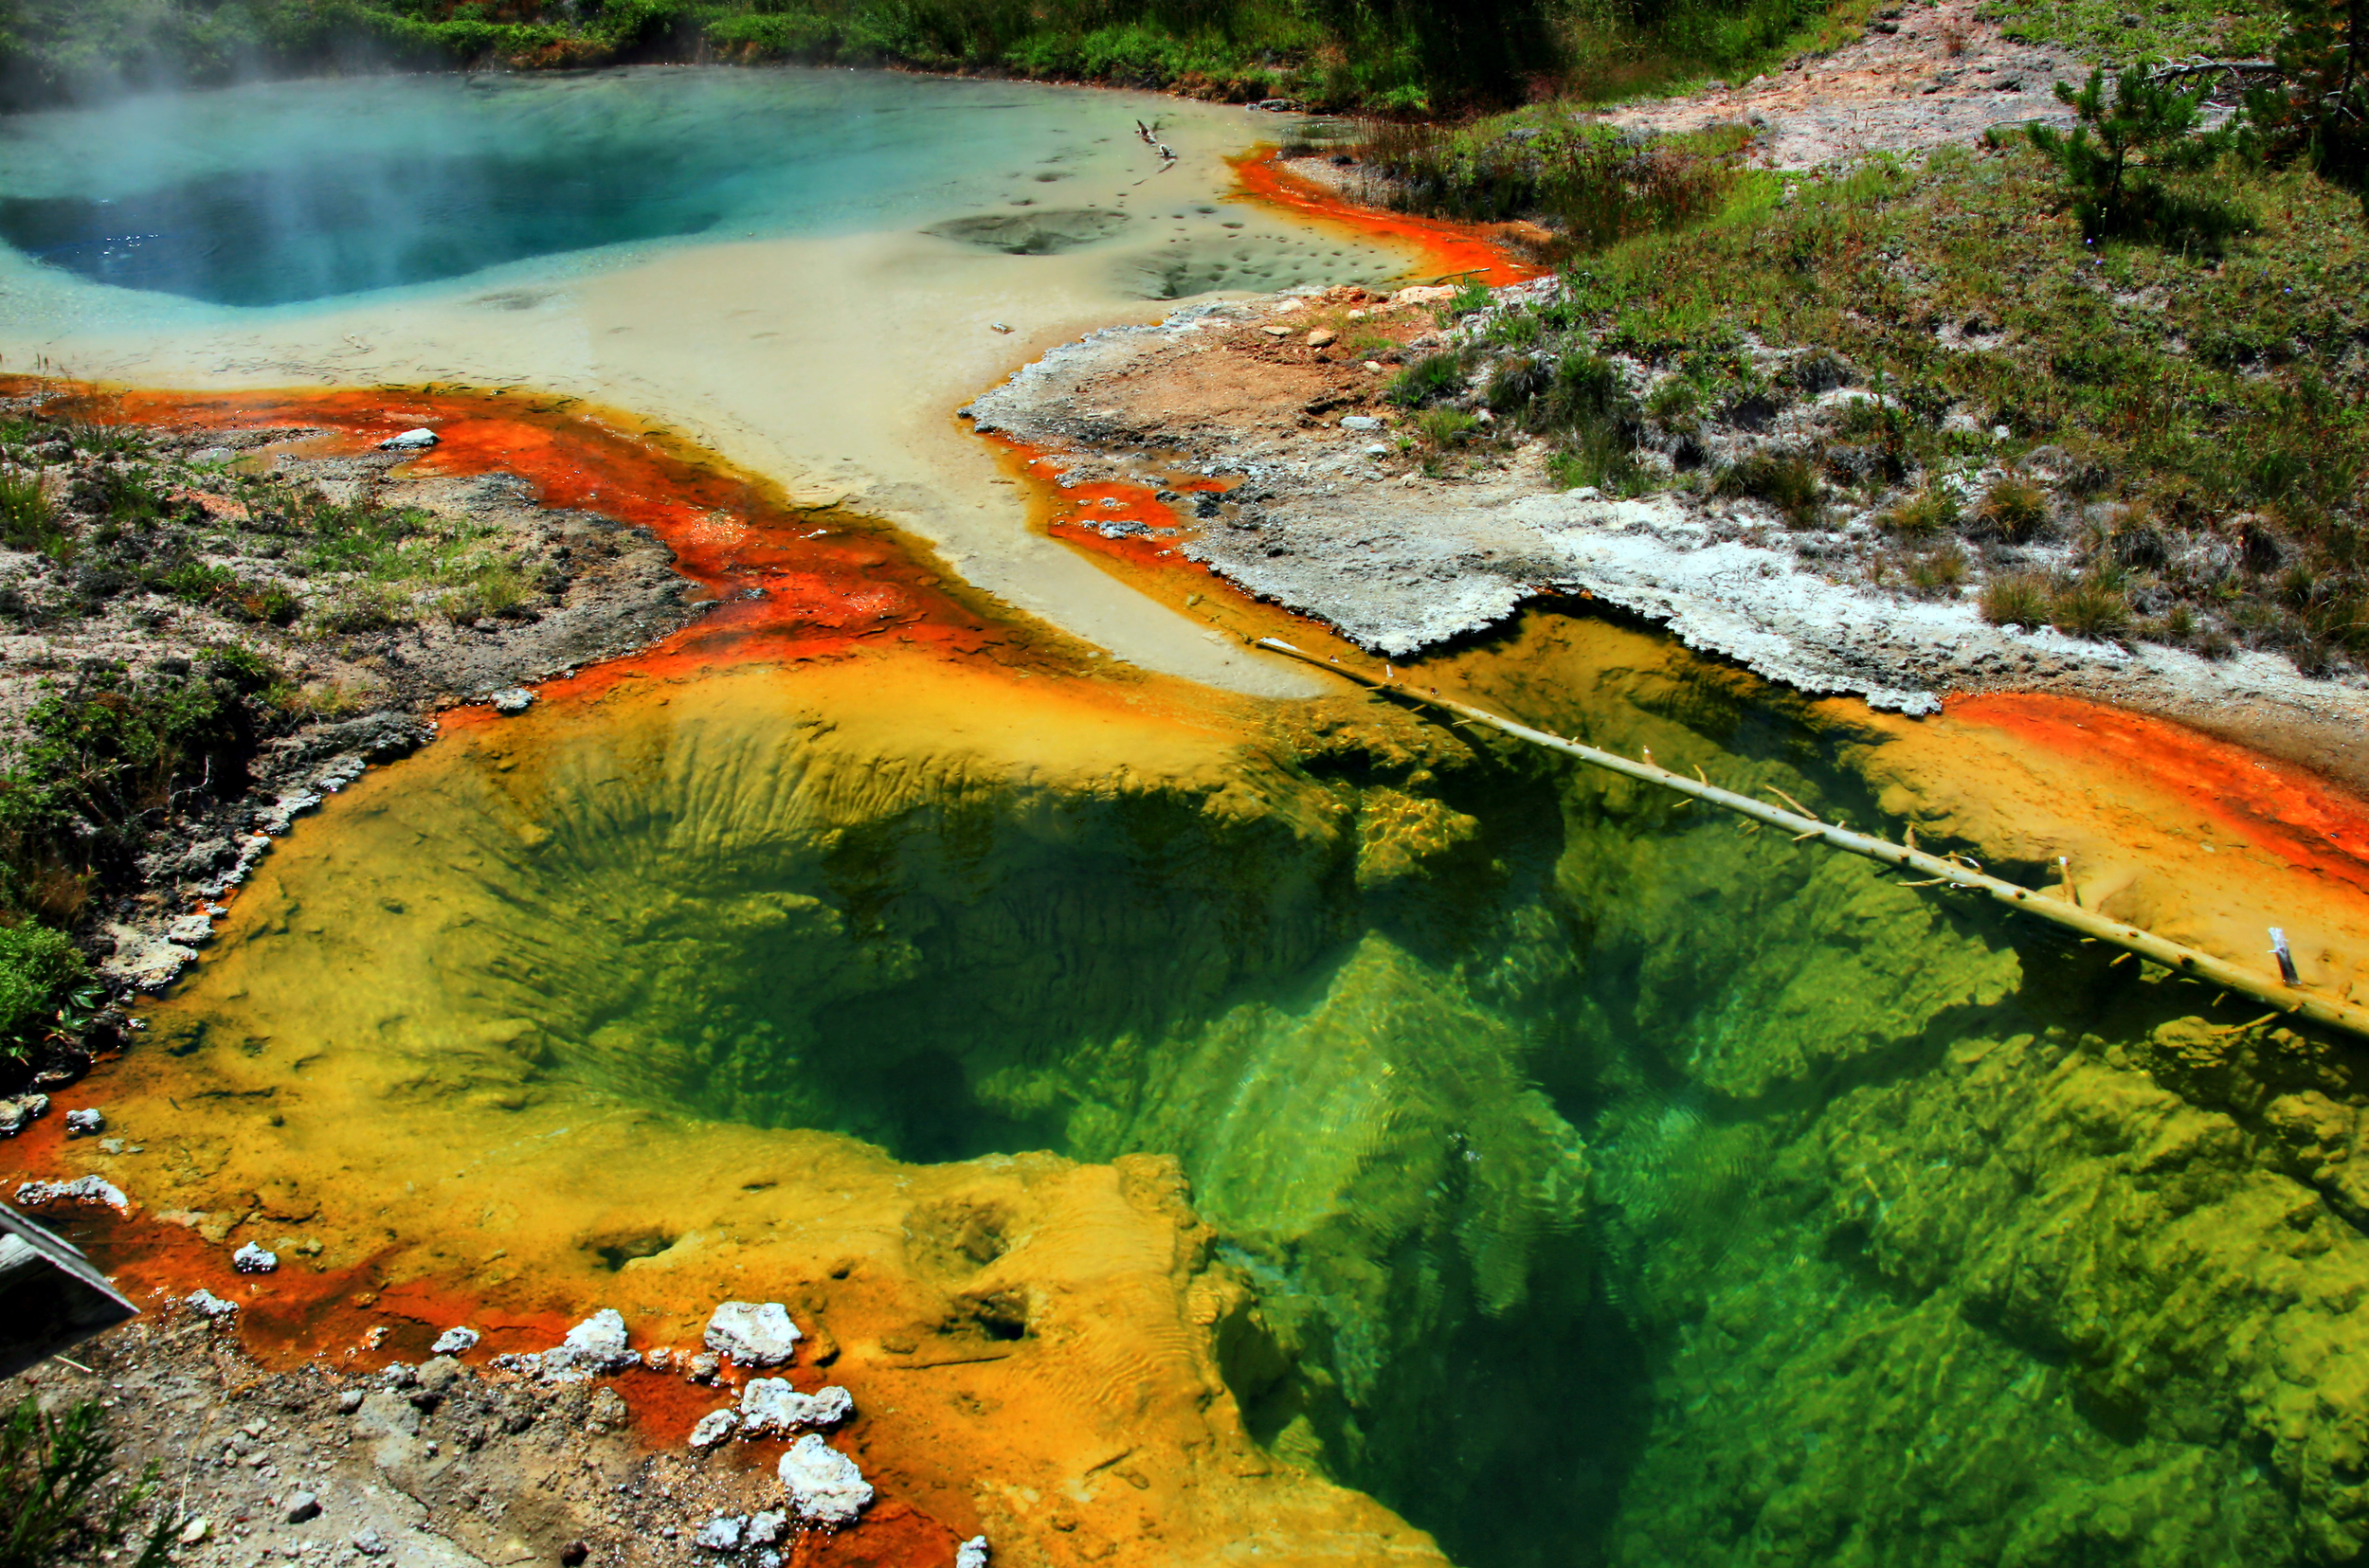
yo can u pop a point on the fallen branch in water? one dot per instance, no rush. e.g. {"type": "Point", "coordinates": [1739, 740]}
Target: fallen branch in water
{"type": "Point", "coordinates": [1956, 872]}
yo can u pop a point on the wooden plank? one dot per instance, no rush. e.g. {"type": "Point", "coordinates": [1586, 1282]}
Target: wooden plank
{"type": "Point", "coordinates": [1952, 871]}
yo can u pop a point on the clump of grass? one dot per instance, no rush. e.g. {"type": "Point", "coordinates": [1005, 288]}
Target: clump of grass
{"type": "Point", "coordinates": [1783, 480]}
{"type": "Point", "coordinates": [28, 521]}
{"type": "Point", "coordinates": [1939, 572]}
{"type": "Point", "coordinates": [1676, 403]}
{"type": "Point", "coordinates": [2013, 509]}
{"type": "Point", "coordinates": [1517, 330]}
{"type": "Point", "coordinates": [1517, 382]}
{"type": "Point", "coordinates": [1589, 395]}
{"type": "Point", "coordinates": [1445, 427]}
{"type": "Point", "coordinates": [53, 1470]}
{"type": "Point", "coordinates": [2017, 599]}
{"type": "Point", "coordinates": [1471, 298]}
{"type": "Point", "coordinates": [2090, 607]}
{"type": "Point", "coordinates": [1930, 511]}
{"type": "Point", "coordinates": [1426, 380]}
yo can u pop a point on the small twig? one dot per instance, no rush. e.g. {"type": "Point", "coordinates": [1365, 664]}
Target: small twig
{"type": "Point", "coordinates": [1791, 802]}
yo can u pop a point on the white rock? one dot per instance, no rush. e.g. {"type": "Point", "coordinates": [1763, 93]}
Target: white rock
{"type": "Point", "coordinates": [252, 1260]}
{"type": "Point", "coordinates": [971, 1553]}
{"type": "Point", "coordinates": [190, 930]}
{"type": "Point", "coordinates": [452, 1341]}
{"type": "Point", "coordinates": [194, 1531]}
{"type": "Point", "coordinates": [1360, 422]}
{"type": "Point", "coordinates": [208, 1305]}
{"type": "Point", "coordinates": [771, 1408]}
{"type": "Point", "coordinates": [753, 1334]}
{"type": "Point", "coordinates": [410, 441]}
{"type": "Point", "coordinates": [825, 1486]}
{"type": "Point", "coordinates": [721, 1534]}
{"type": "Point", "coordinates": [82, 1124]}
{"type": "Point", "coordinates": [513, 699]}
{"type": "Point", "coordinates": [713, 1428]}
{"type": "Point", "coordinates": [767, 1527]}
{"type": "Point", "coordinates": [83, 1189]}
{"type": "Point", "coordinates": [596, 1344]}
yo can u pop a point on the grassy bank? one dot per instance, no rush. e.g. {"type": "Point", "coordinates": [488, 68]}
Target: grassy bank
{"type": "Point", "coordinates": [1945, 387]}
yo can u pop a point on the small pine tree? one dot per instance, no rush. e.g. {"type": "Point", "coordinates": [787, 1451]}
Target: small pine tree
{"type": "Point", "coordinates": [2318, 114]}
{"type": "Point", "coordinates": [2116, 157]}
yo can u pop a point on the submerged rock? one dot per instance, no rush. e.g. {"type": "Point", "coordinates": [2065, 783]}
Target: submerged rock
{"type": "Point", "coordinates": [825, 1486]}
{"type": "Point", "coordinates": [84, 1124]}
{"type": "Point", "coordinates": [753, 1334]}
{"type": "Point", "coordinates": [17, 1113]}
{"type": "Point", "coordinates": [596, 1344]}
{"type": "Point", "coordinates": [83, 1189]}
{"type": "Point", "coordinates": [452, 1341]}
{"type": "Point", "coordinates": [410, 441]}
{"type": "Point", "coordinates": [513, 699]}
{"type": "Point", "coordinates": [771, 1408]}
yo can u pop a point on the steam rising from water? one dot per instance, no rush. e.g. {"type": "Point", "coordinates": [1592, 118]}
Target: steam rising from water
{"type": "Point", "coordinates": [276, 194]}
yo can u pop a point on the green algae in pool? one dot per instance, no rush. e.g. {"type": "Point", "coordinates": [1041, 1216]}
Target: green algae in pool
{"type": "Point", "coordinates": [1616, 1187]}
{"type": "Point", "coordinates": [288, 192]}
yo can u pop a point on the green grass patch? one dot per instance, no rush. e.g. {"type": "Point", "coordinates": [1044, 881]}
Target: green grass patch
{"type": "Point", "coordinates": [56, 1506]}
{"type": "Point", "coordinates": [2117, 32]}
{"type": "Point", "coordinates": [1591, 184]}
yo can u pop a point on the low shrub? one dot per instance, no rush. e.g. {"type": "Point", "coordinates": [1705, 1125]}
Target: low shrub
{"type": "Point", "coordinates": [40, 973]}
